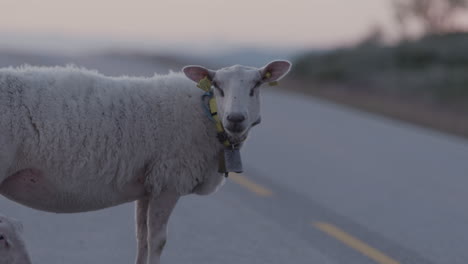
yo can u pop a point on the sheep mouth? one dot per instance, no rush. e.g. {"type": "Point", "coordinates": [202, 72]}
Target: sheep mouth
{"type": "Point", "coordinates": [235, 129]}
{"type": "Point", "coordinates": [237, 134]}
{"type": "Point", "coordinates": [237, 139]}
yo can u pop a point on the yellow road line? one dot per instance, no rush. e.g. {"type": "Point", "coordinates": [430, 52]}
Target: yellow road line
{"type": "Point", "coordinates": [251, 186]}
{"type": "Point", "coordinates": [355, 243]}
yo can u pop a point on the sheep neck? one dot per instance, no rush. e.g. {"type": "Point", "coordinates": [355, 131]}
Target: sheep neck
{"type": "Point", "coordinates": [229, 159]}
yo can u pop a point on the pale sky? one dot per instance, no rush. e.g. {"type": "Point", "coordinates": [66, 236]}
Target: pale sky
{"type": "Point", "coordinates": [293, 23]}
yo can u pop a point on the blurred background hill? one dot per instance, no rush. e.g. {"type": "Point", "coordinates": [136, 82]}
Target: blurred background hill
{"type": "Point", "coordinates": [424, 81]}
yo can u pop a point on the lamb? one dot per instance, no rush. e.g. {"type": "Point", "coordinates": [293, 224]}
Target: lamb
{"type": "Point", "coordinates": [74, 140]}
{"type": "Point", "coordinates": [12, 247]}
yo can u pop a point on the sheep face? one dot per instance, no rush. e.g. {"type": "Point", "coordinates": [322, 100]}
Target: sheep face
{"type": "Point", "coordinates": [237, 92]}
{"type": "Point", "coordinates": [9, 232]}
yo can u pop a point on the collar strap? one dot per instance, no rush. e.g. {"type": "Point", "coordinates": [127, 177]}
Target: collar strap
{"type": "Point", "coordinates": [222, 135]}
{"type": "Point", "coordinates": [211, 110]}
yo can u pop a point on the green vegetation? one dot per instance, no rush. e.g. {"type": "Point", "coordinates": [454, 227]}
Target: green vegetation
{"type": "Point", "coordinates": [432, 70]}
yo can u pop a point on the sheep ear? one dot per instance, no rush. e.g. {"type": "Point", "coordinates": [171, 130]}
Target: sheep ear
{"type": "Point", "coordinates": [197, 73]}
{"type": "Point", "coordinates": [275, 70]}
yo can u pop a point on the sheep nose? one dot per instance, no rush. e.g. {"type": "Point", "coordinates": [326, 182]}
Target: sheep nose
{"type": "Point", "coordinates": [236, 118]}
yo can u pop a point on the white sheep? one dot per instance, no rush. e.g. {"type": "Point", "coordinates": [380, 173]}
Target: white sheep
{"type": "Point", "coordinates": [74, 140]}
{"type": "Point", "coordinates": [12, 247]}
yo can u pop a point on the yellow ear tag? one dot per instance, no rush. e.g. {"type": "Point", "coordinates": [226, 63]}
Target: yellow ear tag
{"type": "Point", "coordinates": [268, 76]}
{"type": "Point", "coordinates": [204, 84]}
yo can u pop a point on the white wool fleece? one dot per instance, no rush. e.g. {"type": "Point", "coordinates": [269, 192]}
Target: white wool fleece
{"type": "Point", "coordinates": [81, 129]}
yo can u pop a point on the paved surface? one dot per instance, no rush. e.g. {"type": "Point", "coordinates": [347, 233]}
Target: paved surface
{"type": "Point", "coordinates": [323, 184]}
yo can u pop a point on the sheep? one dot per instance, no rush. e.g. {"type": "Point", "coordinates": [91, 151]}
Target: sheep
{"type": "Point", "coordinates": [12, 246]}
{"type": "Point", "coordinates": [74, 140]}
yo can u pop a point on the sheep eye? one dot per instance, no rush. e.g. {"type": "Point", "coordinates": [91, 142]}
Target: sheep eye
{"type": "Point", "coordinates": [252, 91]}
{"type": "Point", "coordinates": [216, 86]}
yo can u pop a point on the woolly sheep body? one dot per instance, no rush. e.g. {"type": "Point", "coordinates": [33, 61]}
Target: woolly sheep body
{"type": "Point", "coordinates": [94, 139]}
{"type": "Point", "coordinates": [74, 140]}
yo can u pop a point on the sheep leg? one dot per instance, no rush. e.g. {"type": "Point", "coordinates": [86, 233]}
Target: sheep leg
{"type": "Point", "coordinates": [159, 211]}
{"type": "Point", "coordinates": [142, 230]}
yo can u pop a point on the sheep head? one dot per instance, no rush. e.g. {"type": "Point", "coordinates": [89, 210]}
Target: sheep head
{"type": "Point", "coordinates": [12, 249]}
{"type": "Point", "coordinates": [237, 92]}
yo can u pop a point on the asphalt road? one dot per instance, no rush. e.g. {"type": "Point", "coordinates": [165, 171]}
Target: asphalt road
{"type": "Point", "coordinates": [323, 184]}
